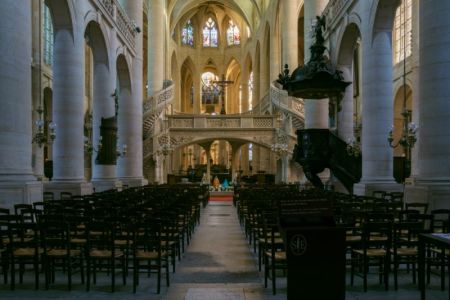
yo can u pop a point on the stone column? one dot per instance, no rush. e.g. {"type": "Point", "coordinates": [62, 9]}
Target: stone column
{"type": "Point", "coordinates": [290, 34]}
{"type": "Point", "coordinates": [103, 176]}
{"type": "Point", "coordinates": [156, 32]}
{"type": "Point", "coordinates": [68, 112]}
{"type": "Point", "coordinates": [17, 183]}
{"type": "Point", "coordinates": [197, 95]}
{"type": "Point", "coordinates": [377, 165]}
{"type": "Point", "coordinates": [316, 110]}
{"type": "Point", "coordinates": [433, 180]}
{"type": "Point", "coordinates": [37, 86]}
{"type": "Point", "coordinates": [130, 168]}
{"type": "Point", "coordinates": [244, 85]}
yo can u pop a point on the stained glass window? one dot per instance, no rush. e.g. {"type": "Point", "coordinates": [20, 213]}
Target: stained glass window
{"type": "Point", "coordinates": [48, 36]}
{"type": "Point", "coordinates": [210, 34]}
{"type": "Point", "coordinates": [210, 89]}
{"type": "Point", "coordinates": [187, 34]}
{"type": "Point", "coordinates": [233, 35]}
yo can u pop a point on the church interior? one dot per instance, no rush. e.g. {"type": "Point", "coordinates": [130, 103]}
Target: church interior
{"type": "Point", "coordinates": [224, 149]}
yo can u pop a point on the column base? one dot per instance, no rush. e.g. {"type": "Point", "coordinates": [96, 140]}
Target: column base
{"type": "Point", "coordinates": [435, 193]}
{"type": "Point", "coordinates": [133, 182]}
{"type": "Point", "coordinates": [106, 184]}
{"type": "Point", "coordinates": [19, 192]}
{"type": "Point", "coordinates": [365, 188]}
{"type": "Point", "coordinates": [76, 188]}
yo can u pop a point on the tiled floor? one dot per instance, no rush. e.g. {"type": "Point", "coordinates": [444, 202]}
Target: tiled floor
{"type": "Point", "coordinates": [217, 265]}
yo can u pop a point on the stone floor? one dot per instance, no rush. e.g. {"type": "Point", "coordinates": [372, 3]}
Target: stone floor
{"type": "Point", "coordinates": [217, 265]}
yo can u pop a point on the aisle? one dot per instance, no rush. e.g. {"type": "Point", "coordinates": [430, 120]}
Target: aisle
{"type": "Point", "coordinates": [218, 264]}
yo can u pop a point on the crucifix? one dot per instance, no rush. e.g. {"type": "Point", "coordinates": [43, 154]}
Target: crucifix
{"type": "Point", "coordinates": [223, 83]}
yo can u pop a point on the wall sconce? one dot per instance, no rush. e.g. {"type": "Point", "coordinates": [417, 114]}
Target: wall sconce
{"type": "Point", "coordinates": [43, 136]}
{"type": "Point", "coordinates": [89, 148]}
{"type": "Point", "coordinates": [123, 152]}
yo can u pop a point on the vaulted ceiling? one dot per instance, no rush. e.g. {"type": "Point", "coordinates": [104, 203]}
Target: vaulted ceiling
{"type": "Point", "coordinates": [250, 10]}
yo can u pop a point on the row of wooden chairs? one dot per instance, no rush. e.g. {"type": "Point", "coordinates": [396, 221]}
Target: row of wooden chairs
{"type": "Point", "coordinates": [394, 245]}
{"type": "Point", "coordinates": [140, 228]}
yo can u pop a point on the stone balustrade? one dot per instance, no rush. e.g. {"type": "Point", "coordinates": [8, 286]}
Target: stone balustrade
{"type": "Point", "coordinates": [284, 102]}
{"type": "Point", "coordinates": [221, 122]}
{"type": "Point", "coordinates": [159, 100]}
{"type": "Point", "coordinates": [334, 10]}
{"type": "Point", "coordinates": [125, 28]}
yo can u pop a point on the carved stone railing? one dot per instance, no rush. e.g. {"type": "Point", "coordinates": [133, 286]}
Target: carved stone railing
{"type": "Point", "coordinates": [222, 122]}
{"type": "Point", "coordinates": [334, 10]}
{"type": "Point", "coordinates": [159, 100]}
{"type": "Point", "coordinates": [284, 102]}
{"type": "Point", "coordinates": [147, 147]}
{"type": "Point", "coordinates": [114, 11]}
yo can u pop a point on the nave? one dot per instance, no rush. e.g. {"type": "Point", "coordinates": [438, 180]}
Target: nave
{"type": "Point", "coordinates": [219, 263]}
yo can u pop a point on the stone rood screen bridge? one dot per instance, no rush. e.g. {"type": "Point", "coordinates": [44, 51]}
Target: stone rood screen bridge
{"type": "Point", "coordinates": [240, 129]}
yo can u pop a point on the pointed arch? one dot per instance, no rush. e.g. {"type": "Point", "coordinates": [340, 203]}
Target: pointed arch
{"type": "Point", "coordinates": [187, 87]}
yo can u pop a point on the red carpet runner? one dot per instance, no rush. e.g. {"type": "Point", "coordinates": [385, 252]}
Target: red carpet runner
{"type": "Point", "coordinates": [220, 196]}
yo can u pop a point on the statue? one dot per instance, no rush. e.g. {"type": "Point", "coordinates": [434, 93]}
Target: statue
{"type": "Point", "coordinates": [216, 183]}
{"type": "Point", "coordinates": [116, 101]}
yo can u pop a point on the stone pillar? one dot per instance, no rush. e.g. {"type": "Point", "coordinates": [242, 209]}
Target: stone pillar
{"type": "Point", "coordinates": [433, 180]}
{"type": "Point", "coordinates": [37, 86]}
{"type": "Point", "coordinates": [156, 32]}
{"type": "Point", "coordinates": [68, 112]}
{"type": "Point", "coordinates": [244, 85]}
{"type": "Point", "coordinates": [415, 69]}
{"type": "Point", "coordinates": [316, 110]}
{"type": "Point", "coordinates": [290, 34]}
{"type": "Point", "coordinates": [103, 176]}
{"type": "Point", "coordinates": [197, 95]}
{"type": "Point", "coordinates": [130, 168]}
{"type": "Point", "coordinates": [377, 162]}
{"type": "Point", "coordinates": [17, 183]}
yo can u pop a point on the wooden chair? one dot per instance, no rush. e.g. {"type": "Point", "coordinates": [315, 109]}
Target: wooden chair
{"type": "Point", "coordinates": [405, 246]}
{"type": "Point", "coordinates": [374, 251]}
{"type": "Point", "coordinates": [58, 250]}
{"type": "Point", "coordinates": [65, 196]}
{"type": "Point", "coordinates": [101, 251]}
{"type": "Point", "coordinates": [274, 252]}
{"type": "Point", "coordinates": [24, 249]}
{"type": "Point", "coordinates": [48, 196]}
{"type": "Point", "coordinates": [421, 207]}
{"type": "Point", "coordinates": [148, 251]}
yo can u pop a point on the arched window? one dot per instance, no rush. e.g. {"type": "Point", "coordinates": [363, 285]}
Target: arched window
{"type": "Point", "coordinates": [233, 35]}
{"type": "Point", "coordinates": [210, 89]}
{"type": "Point", "coordinates": [402, 31]}
{"type": "Point", "coordinates": [48, 36]}
{"type": "Point", "coordinates": [187, 34]}
{"type": "Point", "coordinates": [210, 34]}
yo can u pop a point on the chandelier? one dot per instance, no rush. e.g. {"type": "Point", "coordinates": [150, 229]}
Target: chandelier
{"type": "Point", "coordinates": [408, 137]}
{"type": "Point", "coordinates": [45, 133]}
